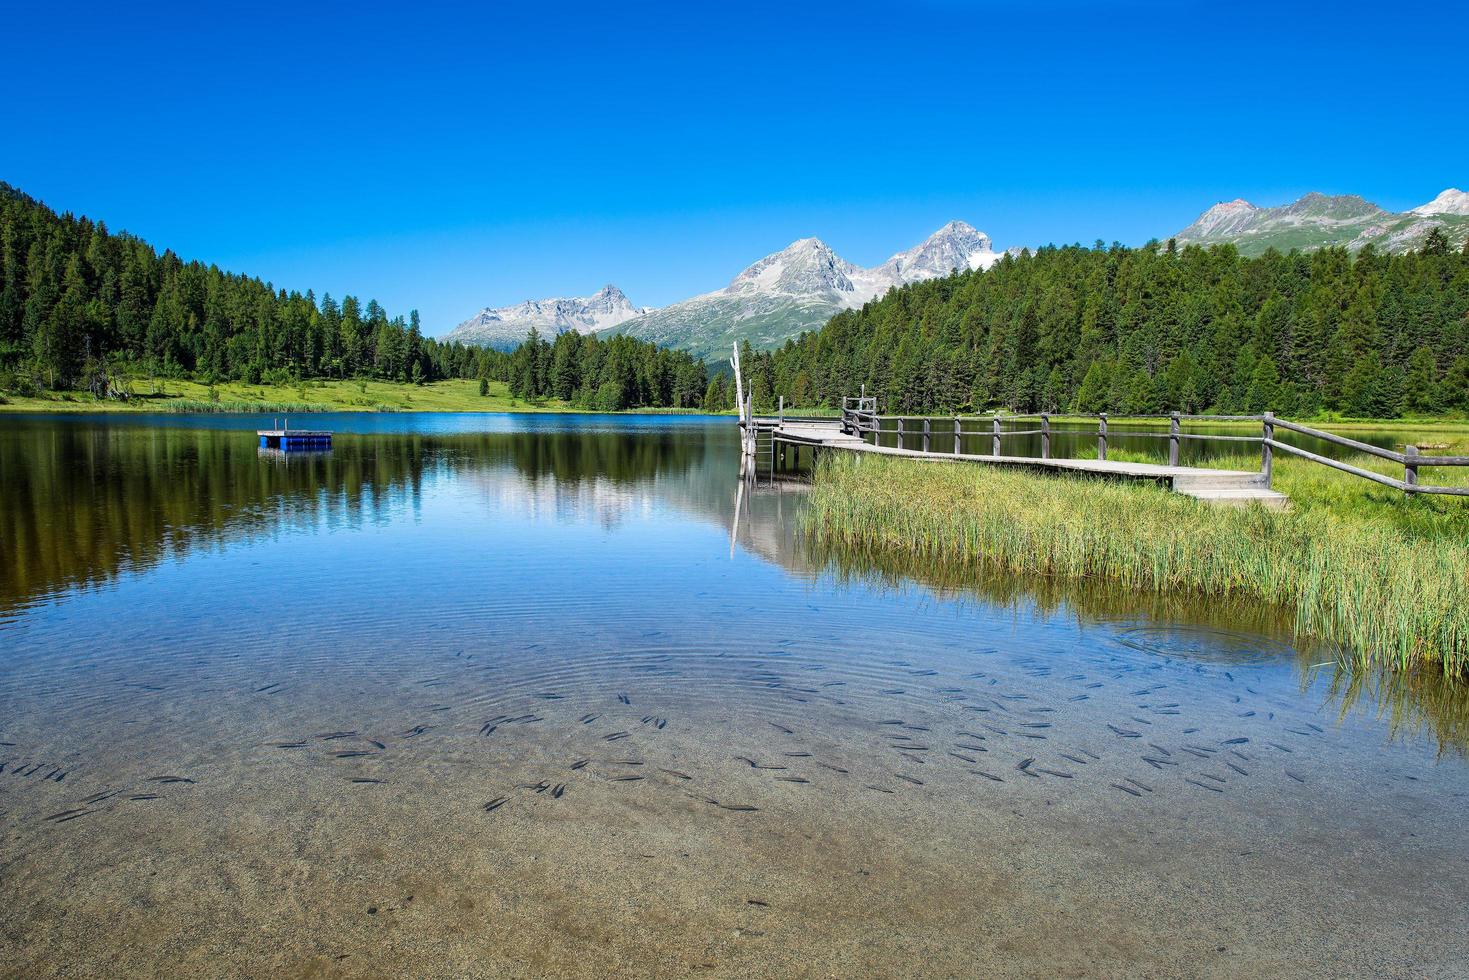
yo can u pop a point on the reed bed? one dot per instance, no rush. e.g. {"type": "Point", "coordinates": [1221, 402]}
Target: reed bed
{"type": "Point", "coordinates": [1385, 588]}
{"type": "Point", "coordinates": [195, 407]}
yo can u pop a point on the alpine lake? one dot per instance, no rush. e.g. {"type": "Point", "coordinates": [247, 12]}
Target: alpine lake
{"type": "Point", "coordinates": [529, 695]}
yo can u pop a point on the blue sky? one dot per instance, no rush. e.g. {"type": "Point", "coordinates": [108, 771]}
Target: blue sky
{"type": "Point", "coordinates": [448, 157]}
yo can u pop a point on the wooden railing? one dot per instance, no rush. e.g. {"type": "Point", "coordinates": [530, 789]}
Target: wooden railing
{"type": "Point", "coordinates": [859, 417]}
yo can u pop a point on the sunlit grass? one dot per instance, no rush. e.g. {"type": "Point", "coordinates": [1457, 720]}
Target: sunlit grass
{"type": "Point", "coordinates": [1382, 575]}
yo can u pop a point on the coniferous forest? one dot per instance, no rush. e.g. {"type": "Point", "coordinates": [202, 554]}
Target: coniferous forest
{"type": "Point", "coordinates": [1147, 330]}
{"type": "Point", "coordinates": [82, 308]}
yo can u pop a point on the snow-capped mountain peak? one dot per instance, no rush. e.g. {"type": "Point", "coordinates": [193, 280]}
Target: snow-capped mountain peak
{"type": "Point", "coordinates": [804, 267]}
{"type": "Point", "coordinates": [955, 246]}
{"type": "Point", "coordinates": [1451, 201]}
{"type": "Point", "coordinates": [507, 326]}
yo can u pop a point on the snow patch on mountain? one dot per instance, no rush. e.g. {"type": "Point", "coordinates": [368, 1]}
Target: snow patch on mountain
{"type": "Point", "coordinates": [1451, 201]}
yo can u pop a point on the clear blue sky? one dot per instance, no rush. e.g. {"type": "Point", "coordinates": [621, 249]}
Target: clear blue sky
{"type": "Point", "coordinates": [448, 157]}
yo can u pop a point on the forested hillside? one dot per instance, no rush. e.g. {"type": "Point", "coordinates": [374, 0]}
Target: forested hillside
{"type": "Point", "coordinates": [83, 308]}
{"type": "Point", "coordinates": [1150, 330]}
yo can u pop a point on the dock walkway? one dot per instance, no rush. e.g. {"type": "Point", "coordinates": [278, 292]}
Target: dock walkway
{"type": "Point", "coordinates": [1218, 486]}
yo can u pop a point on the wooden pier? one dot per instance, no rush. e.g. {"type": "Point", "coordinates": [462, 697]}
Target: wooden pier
{"type": "Point", "coordinates": [287, 439]}
{"type": "Point", "coordinates": [766, 440]}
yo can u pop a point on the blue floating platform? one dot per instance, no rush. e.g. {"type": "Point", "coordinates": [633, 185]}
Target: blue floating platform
{"type": "Point", "coordinates": [287, 440]}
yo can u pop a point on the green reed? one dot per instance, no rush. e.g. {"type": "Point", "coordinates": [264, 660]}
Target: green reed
{"type": "Point", "coordinates": [195, 407]}
{"type": "Point", "coordinates": [1384, 578]}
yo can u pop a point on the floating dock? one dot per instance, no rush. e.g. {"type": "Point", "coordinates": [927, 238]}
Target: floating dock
{"type": "Point", "coordinates": [287, 439]}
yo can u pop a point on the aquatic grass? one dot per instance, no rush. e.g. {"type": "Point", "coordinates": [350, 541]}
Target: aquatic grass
{"type": "Point", "coordinates": [1390, 591]}
{"type": "Point", "coordinates": [188, 406]}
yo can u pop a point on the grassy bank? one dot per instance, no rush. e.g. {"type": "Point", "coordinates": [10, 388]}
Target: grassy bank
{"type": "Point", "coordinates": [1383, 576]}
{"type": "Point", "coordinates": [308, 396]}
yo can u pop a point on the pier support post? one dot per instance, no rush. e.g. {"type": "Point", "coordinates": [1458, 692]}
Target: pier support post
{"type": "Point", "coordinates": [958, 435]}
{"type": "Point", "coordinates": [926, 434]}
{"type": "Point", "coordinates": [1410, 466]}
{"type": "Point", "coordinates": [1102, 435]}
{"type": "Point", "coordinates": [1267, 452]}
{"type": "Point", "coordinates": [1045, 436]}
{"type": "Point", "coordinates": [995, 439]}
{"type": "Point", "coordinates": [1173, 439]}
{"type": "Point", "coordinates": [900, 432]}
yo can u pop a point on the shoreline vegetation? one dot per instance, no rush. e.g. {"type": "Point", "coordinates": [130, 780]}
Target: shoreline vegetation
{"type": "Point", "coordinates": [1381, 577]}
{"type": "Point", "coordinates": [192, 397]}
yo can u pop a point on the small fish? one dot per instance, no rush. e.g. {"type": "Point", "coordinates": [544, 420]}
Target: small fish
{"type": "Point", "coordinates": [168, 779]}
{"type": "Point", "coordinates": [792, 779]}
{"type": "Point", "coordinates": [615, 736]}
{"type": "Point", "coordinates": [496, 803]}
{"type": "Point", "coordinates": [781, 728]}
{"type": "Point", "coordinates": [558, 790]}
{"type": "Point", "coordinates": [676, 774]}
{"type": "Point", "coordinates": [624, 699]}
{"type": "Point", "coordinates": [1052, 772]}
{"type": "Point", "coordinates": [915, 782]}
{"type": "Point", "coordinates": [365, 780]}
{"type": "Point", "coordinates": [1212, 789]}
{"type": "Point", "coordinates": [66, 815]}
{"type": "Point", "coordinates": [881, 789]}
{"type": "Point", "coordinates": [1125, 732]}
{"type": "Point", "coordinates": [580, 763]}
{"type": "Point", "coordinates": [987, 775]}
{"type": "Point", "coordinates": [757, 902]}
{"type": "Point", "coordinates": [827, 765]}
{"type": "Point", "coordinates": [625, 779]}
{"type": "Point", "coordinates": [1125, 789]}
{"type": "Point", "coordinates": [145, 796]}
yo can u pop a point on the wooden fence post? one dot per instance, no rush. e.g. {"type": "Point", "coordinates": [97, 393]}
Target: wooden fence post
{"type": "Point", "coordinates": [926, 433]}
{"type": "Point", "coordinates": [1102, 436]}
{"type": "Point", "coordinates": [1410, 467]}
{"type": "Point", "coordinates": [1045, 436]}
{"type": "Point", "coordinates": [1173, 439]}
{"type": "Point", "coordinates": [1267, 451]}
{"type": "Point", "coordinates": [958, 433]}
{"type": "Point", "coordinates": [995, 449]}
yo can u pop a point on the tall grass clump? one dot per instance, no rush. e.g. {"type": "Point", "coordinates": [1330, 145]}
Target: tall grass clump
{"type": "Point", "coordinates": [1390, 595]}
{"type": "Point", "coordinates": [196, 407]}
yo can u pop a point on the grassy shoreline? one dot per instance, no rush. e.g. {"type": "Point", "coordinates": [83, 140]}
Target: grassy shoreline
{"type": "Point", "coordinates": [1382, 577]}
{"type": "Point", "coordinates": [312, 396]}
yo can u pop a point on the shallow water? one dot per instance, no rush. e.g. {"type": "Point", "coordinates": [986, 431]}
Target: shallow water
{"type": "Point", "coordinates": [528, 695]}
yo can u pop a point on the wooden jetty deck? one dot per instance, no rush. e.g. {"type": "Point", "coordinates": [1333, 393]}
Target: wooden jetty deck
{"type": "Point", "coordinates": [766, 439]}
{"type": "Point", "coordinates": [1218, 486]}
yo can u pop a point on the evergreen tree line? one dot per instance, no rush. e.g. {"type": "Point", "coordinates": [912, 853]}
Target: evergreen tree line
{"type": "Point", "coordinates": [605, 375]}
{"type": "Point", "coordinates": [78, 303]}
{"type": "Point", "coordinates": [1149, 330]}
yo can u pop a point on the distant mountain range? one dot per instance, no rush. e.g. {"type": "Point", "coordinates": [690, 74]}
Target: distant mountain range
{"type": "Point", "coordinates": [506, 327]}
{"type": "Point", "coordinates": [796, 289]}
{"type": "Point", "coordinates": [1320, 220]}
{"type": "Point", "coordinates": [803, 285]}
